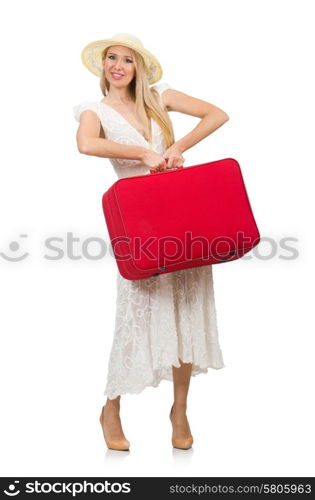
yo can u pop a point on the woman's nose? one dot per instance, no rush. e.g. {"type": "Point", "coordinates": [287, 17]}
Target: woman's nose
{"type": "Point", "coordinates": [118, 63]}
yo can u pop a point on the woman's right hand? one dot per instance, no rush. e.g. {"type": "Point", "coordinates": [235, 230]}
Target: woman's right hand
{"type": "Point", "coordinates": [153, 160]}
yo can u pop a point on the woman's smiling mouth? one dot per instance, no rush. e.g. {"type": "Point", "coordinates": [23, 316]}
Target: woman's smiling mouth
{"type": "Point", "coordinates": [117, 76]}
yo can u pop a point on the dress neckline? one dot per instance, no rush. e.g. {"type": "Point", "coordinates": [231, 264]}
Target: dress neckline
{"type": "Point", "coordinates": [126, 121]}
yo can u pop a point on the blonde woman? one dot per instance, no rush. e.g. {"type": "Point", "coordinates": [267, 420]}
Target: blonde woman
{"type": "Point", "coordinates": [165, 326]}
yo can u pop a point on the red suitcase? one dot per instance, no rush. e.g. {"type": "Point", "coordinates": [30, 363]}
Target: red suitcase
{"type": "Point", "coordinates": [179, 218]}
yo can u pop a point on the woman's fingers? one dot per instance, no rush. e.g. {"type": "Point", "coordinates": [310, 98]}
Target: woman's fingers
{"type": "Point", "coordinates": [175, 161]}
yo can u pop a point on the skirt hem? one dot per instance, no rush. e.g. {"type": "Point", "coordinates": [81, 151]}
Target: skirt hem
{"type": "Point", "coordinates": [197, 370]}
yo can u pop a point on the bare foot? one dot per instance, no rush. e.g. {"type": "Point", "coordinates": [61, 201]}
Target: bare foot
{"type": "Point", "coordinates": [181, 437]}
{"type": "Point", "coordinates": [112, 429]}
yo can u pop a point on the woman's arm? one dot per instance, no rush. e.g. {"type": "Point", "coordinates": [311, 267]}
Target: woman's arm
{"type": "Point", "coordinates": [211, 116]}
{"type": "Point", "coordinates": [91, 140]}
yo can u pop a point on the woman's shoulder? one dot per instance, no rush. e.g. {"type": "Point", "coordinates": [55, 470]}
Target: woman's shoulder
{"type": "Point", "coordinates": [83, 106]}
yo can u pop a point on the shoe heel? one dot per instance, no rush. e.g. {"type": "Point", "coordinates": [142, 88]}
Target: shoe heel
{"type": "Point", "coordinates": [114, 445]}
{"type": "Point", "coordinates": [181, 444]}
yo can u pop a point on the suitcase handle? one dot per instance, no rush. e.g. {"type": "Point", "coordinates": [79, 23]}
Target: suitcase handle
{"type": "Point", "coordinates": [152, 171]}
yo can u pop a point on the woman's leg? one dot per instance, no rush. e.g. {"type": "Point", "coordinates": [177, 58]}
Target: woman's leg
{"type": "Point", "coordinates": [111, 424]}
{"type": "Point", "coordinates": [181, 381]}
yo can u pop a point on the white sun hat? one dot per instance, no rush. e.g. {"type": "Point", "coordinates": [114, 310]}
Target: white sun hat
{"type": "Point", "coordinates": [92, 55]}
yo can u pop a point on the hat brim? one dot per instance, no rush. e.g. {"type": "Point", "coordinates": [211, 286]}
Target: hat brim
{"type": "Point", "coordinates": [91, 57]}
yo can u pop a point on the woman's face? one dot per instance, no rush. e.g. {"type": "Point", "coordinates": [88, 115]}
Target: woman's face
{"type": "Point", "coordinates": [119, 61]}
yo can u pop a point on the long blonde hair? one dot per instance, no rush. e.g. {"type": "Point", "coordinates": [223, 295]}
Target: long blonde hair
{"type": "Point", "coordinates": [147, 100]}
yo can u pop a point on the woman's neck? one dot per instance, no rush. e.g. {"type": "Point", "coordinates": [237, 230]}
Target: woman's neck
{"type": "Point", "coordinates": [119, 97]}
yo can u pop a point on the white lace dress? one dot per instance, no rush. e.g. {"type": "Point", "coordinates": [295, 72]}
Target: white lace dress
{"type": "Point", "coordinates": [161, 319]}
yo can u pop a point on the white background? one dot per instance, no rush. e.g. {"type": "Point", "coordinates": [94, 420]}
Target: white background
{"type": "Point", "coordinates": [255, 417]}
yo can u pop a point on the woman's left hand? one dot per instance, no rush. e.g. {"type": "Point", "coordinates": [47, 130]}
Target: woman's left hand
{"type": "Point", "coordinates": [173, 157]}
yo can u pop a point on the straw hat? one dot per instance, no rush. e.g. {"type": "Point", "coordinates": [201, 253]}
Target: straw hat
{"type": "Point", "coordinates": [91, 55]}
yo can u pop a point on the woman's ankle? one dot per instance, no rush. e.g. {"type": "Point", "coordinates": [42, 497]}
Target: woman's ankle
{"type": "Point", "coordinates": [179, 407]}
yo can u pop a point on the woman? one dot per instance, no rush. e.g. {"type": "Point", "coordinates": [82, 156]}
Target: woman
{"type": "Point", "coordinates": [165, 326]}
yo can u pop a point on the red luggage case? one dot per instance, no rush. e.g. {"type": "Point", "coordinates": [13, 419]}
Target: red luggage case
{"type": "Point", "coordinates": [179, 218]}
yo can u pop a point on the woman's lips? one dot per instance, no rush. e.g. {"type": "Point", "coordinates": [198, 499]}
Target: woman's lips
{"type": "Point", "coordinates": [116, 76]}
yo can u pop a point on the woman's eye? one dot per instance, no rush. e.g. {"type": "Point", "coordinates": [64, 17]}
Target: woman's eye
{"type": "Point", "coordinates": [128, 60]}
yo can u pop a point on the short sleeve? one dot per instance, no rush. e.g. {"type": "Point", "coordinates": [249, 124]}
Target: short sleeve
{"type": "Point", "coordinates": [79, 108]}
{"type": "Point", "coordinates": [160, 87]}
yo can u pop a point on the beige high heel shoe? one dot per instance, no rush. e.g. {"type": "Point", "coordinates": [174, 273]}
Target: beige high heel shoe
{"type": "Point", "coordinates": [181, 443]}
{"type": "Point", "coordinates": [121, 444]}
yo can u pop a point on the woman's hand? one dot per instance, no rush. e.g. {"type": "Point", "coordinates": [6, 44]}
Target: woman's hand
{"type": "Point", "coordinates": [153, 160]}
{"type": "Point", "coordinates": [174, 157]}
